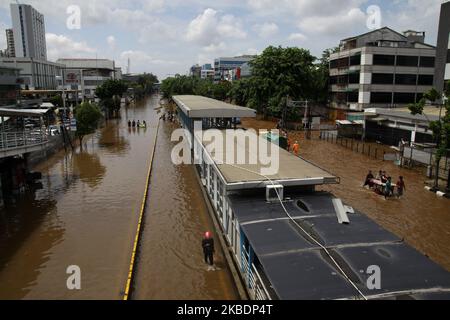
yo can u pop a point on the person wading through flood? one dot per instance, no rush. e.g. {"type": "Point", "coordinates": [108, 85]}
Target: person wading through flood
{"type": "Point", "coordinates": [296, 148]}
{"type": "Point", "coordinates": [208, 248]}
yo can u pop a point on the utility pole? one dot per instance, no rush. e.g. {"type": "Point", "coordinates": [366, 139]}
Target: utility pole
{"type": "Point", "coordinates": [307, 116]}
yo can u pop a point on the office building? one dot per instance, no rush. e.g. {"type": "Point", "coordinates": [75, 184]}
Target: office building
{"type": "Point", "coordinates": [443, 49]}
{"type": "Point", "coordinates": [9, 87]}
{"type": "Point", "coordinates": [35, 74]}
{"type": "Point", "coordinates": [87, 74]}
{"type": "Point", "coordinates": [224, 67]}
{"type": "Point", "coordinates": [207, 72]}
{"type": "Point", "coordinates": [29, 32]}
{"type": "Point", "coordinates": [10, 50]}
{"type": "Point", "coordinates": [382, 69]}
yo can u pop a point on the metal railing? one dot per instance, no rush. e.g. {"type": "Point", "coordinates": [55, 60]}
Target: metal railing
{"type": "Point", "coordinates": [253, 280]}
{"type": "Point", "coordinates": [17, 139]}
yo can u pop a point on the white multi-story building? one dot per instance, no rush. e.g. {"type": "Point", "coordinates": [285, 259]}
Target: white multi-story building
{"type": "Point", "coordinates": [381, 69]}
{"type": "Point", "coordinates": [87, 74]}
{"type": "Point", "coordinates": [29, 32]}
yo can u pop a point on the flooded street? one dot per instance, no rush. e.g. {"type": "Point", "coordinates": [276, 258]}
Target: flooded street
{"type": "Point", "coordinates": [86, 215]}
{"type": "Point", "coordinates": [170, 264]}
{"type": "Point", "coordinates": [420, 217]}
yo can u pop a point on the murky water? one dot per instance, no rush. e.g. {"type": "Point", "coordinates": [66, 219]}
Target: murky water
{"type": "Point", "coordinates": [171, 263]}
{"type": "Point", "coordinates": [420, 217]}
{"type": "Point", "coordinates": [86, 215]}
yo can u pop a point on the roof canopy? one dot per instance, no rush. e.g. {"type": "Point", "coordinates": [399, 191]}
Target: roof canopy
{"type": "Point", "coordinates": [6, 112]}
{"type": "Point", "coordinates": [202, 107]}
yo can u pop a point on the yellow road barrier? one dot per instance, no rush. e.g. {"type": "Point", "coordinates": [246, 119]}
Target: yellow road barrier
{"type": "Point", "coordinates": [137, 238]}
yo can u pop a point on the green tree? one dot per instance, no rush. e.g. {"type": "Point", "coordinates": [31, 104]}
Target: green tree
{"type": "Point", "coordinates": [88, 115]}
{"type": "Point", "coordinates": [440, 128]}
{"type": "Point", "coordinates": [110, 94]}
{"type": "Point", "coordinates": [280, 72]}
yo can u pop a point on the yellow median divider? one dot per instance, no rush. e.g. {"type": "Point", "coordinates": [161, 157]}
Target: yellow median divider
{"type": "Point", "coordinates": [137, 238]}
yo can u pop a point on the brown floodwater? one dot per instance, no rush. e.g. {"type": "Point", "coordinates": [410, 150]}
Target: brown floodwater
{"type": "Point", "coordinates": [86, 215]}
{"type": "Point", "coordinates": [420, 217]}
{"type": "Point", "coordinates": [170, 264]}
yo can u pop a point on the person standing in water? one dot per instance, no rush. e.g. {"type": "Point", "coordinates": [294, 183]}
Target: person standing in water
{"type": "Point", "coordinates": [208, 248]}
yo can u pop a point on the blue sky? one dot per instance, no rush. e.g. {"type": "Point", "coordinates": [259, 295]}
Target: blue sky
{"type": "Point", "coordinates": [168, 36]}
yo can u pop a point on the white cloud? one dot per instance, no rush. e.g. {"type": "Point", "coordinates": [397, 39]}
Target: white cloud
{"type": "Point", "coordinates": [267, 29]}
{"type": "Point", "coordinates": [297, 37]}
{"type": "Point", "coordinates": [111, 40]}
{"type": "Point", "coordinates": [209, 28]}
{"type": "Point", "coordinates": [334, 25]}
{"type": "Point", "coordinates": [60, 46]}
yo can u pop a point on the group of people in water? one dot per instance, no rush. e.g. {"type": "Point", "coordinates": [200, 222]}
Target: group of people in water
{"type": "Point", "coordinates": [138, 124]}
{"type": "Point", "coordinates": [382, 184]}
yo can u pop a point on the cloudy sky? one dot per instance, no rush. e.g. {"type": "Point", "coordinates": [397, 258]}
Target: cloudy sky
{"type": "Point", "coordinates": [168, 36]}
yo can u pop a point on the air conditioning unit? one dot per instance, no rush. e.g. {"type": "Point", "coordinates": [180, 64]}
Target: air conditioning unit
{"type": "Point", "coordinates": [274, 193]}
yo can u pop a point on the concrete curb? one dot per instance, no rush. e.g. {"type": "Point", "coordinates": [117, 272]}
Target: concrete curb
{"type": "Point", "coordinates": [242, 291]}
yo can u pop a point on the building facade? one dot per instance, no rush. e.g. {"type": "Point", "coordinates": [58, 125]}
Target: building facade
{"type": "Point", "coordinates": [207, 72]}
{"type": "Point", "coordinates": [29, 32]}
{"type": "Point", "coordinates": [9, 86]}
{"type": "Point", "coordinates": [443, 49]}
{"type": "Point", "coordinates": [87, 74]}
{"type": "Point", "coordinates": [382, 69]}
{"type": "Point", "coordinates": [224, 67]}
{"type": "Point", "coordinates": [10, 49]}
{"type": "Point", "coordinates": [35, 74]}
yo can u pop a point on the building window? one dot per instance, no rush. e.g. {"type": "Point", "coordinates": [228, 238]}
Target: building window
{"type": "Point", "coordinates": [333, 64]}
{"type": "Point", "coordinates": [404, 98]}
{"type": "Point", "coordinates": [353, 78]}
{"type": "Point", "coordinates": [448, 56]}
{"type": "Point", "coordinates": [425, 80]}
{"type": "Point", "coordinates": [355, 60]}
{"type": "Point", "coordinates": [406, 79]}
{"type": "Point", "coordinates": [407, 61]}
{"type": "Point", "coordinates": [353, 96]}
{"type": "Point", "coordinates": [427, 62]}
{"type": "Point", "coordinates": [382, 78]}
{"type": "Point", "coordinates": [381, 97]}
{"type": "Point", "coordinates": [383, 60]}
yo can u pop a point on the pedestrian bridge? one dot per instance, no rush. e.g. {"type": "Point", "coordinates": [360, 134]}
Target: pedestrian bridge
{"type": "Point", "coordinates": [15, 140]}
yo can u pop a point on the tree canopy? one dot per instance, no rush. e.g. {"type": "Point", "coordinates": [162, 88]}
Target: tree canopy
{"type": "Point", "coordinates": [110, 93]}
{"type": "Point", "coordinates": [88, 116]}
{"type": "Point", "coordinates": [276, 74]}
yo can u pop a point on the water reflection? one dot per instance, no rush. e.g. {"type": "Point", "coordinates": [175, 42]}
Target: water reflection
{"type": "Point", "coordinates": [89, 168]}
{"type": "Point", "coordinates": [112, 139]}
{"type": "Point", "coordinates": [19, 223]}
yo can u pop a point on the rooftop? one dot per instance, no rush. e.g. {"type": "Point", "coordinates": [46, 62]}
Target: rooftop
{"type": "Point", "coordinates": [430, 113]}
{"type": "Point", "coordinates": [298, 268]}
{"type": "Point", "coordinates": [292, 170]}
{"type": "Point", "coordinates": [202, 107]}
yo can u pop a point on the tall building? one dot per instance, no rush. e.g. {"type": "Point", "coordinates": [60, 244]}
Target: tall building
{"type": "Point", "coordinates": [29, 32]}
{"type": "Point", "coordinates": [382, 68]}
{"type": "Point", "coordinates": [443, 49]}
{"type": "Point", "coordinates": [224, 67]}
{"type": "Point", "coordinates": [10, 49]}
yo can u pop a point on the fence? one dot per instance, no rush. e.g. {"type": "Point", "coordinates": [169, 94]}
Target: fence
{"type": "Point", "coordinates": [11, 140]}
{"type": "Point", "coordinates": [419, 156]}
{"type": "Point", "coordinates": [368, 149]}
